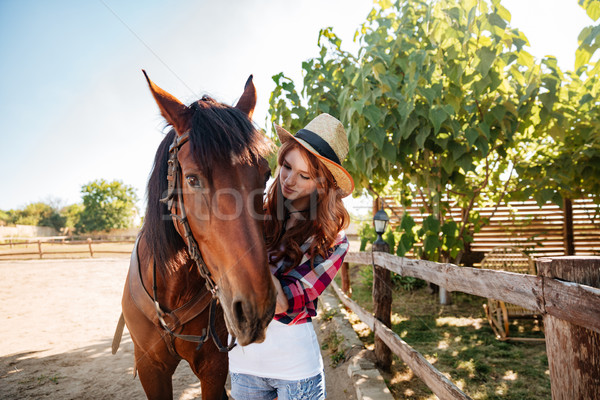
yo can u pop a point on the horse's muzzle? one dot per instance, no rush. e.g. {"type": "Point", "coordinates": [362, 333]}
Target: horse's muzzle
{"type": "Point", "coordinates": [246, 322]}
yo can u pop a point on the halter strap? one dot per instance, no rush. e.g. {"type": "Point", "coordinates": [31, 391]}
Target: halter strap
{"type": "Point", "coordinates": [174, 200]}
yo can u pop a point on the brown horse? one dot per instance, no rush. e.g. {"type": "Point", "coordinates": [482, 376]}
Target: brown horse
{"type": "Point", "coordinates": [204, 245]}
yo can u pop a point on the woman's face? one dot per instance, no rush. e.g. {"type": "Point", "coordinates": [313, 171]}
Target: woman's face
{"type": "Point", "coordinates": [296, 183]}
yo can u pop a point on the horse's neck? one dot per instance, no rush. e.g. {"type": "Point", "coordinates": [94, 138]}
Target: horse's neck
{"type": "Point", "coordinates": [174, 286]}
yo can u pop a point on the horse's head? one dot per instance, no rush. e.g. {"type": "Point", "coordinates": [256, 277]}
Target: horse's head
{"type": "Point", "coordinates": [220, 180]}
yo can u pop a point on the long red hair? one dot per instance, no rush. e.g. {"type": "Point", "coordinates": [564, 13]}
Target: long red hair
{"type": "Point", "coordinates": [322, 222]}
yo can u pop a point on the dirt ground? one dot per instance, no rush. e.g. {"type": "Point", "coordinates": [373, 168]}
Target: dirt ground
{"type": "Point", "coordinates": [58, 323]}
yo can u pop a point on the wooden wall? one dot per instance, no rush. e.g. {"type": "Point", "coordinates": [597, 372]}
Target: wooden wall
{"type": "Point", "coordinates": [537, 230]}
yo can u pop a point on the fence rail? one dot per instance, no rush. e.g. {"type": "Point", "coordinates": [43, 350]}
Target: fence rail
{"type": "Point", "coordinates": [40, 243]}
{"type": "Point", "coordinates": [574, 304]}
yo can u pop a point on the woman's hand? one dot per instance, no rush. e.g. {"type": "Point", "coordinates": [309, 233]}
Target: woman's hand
{"type": "Point", "coordinates": [282, 301]}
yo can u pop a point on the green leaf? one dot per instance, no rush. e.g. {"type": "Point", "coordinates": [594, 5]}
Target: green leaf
{"type": "Point", "coordinates": [448, 165]}
{"type": "Point", "coordinates": [582, 57]}
{"type": "Point", "coordinates": [499, 112]}
{"type": "Point", "coordinates": [465, 162]}
{"type": "Point", "coordinates": [543, 196]}
{"type": "Point", "coordinates": [482, 85]}
{"type": "Point", "coordinates": [503, 12]}
{"type": "Point", "coordinates": [548, 99]}
{"type": "Point", "coordinates": [485, 129]}
{"type": "Point", "coordinates": [384, 4]}
{"type": "Point", "coordinates": [486, 59]}
{"type": "Point", "coordinates": [457, 149]}
{"type": "Point", "coordinates": [428, 93]}
{"type": "Point", "coordinates": [373, 114]}
{"type": "Point", "coordinates": [497, 20]}
{"type": "Point", "coordinates": [437, 115]}
{"type": "Point", "coordinates": [471, 134]}
{"type": "Point", "coordinates": [585, 99]}
{"type": "Point", "coordinates": [389, 152]}
{"type": "Point", "coordinates": [431, 243]}
{"type": "Point", "coordinates": [450, 228]}
{"type": "Point", "coordinates": [390, 240]}
{"type": "Point", "coordinates": [455, 73]}
{"type": "Point", "coordinates": [483, 145]}
{"type": "Point", "coordinates": [407, 223]}
{"type": "Point", "coordinates": [378, 69]}
{"type": "Point", "coordinates": [592, 8]}
{"type": "Point", "coordinates": [376, 135]}
{"type": "Point", "coordinates": [360, 157]}
{"type": "Point", "coordinates": [404, 245]}
{"type": "Point", "coordinates": [409, 126]}
{"type": "Point", "coordinates": [422, 136]}
{"type": "Point", "coordinates": [431, 224]}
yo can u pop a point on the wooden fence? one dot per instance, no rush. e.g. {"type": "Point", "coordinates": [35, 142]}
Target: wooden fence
{"type": "Point", "coordinates": [46, 246]}
{"type": "Point", "coordinates": [566, 292]}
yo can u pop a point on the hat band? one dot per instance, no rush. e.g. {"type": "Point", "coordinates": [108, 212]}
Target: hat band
{"type": "Point", "coordinates": [320, 145]}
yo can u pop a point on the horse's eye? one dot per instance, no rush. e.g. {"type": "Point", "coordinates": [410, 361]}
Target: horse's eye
{"type": "Point", "coordinates": [193, 181]}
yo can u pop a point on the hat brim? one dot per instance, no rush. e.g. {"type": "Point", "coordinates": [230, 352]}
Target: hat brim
{"type": "Point", "coordinates": [341, 176]}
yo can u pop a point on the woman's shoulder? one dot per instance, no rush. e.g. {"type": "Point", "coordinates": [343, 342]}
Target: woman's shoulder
{"type": "Point", "coordinates": [341, 237]}
{"type": "Point", "coordinates": [340, 244]}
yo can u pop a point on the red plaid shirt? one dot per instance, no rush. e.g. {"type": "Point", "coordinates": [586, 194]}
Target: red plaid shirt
{"type": "Point", "coordinates": [302, 285]}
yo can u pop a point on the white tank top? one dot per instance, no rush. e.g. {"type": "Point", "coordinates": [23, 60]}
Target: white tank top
{"type": "Point", "coordinates": [289, 352]}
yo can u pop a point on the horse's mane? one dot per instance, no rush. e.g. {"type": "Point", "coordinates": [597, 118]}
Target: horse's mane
{"type": "Point", "coordinates": [219, 134]}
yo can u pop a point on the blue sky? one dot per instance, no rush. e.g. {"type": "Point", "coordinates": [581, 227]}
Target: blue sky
{"type": "Point", "coordinates": [74, 104]}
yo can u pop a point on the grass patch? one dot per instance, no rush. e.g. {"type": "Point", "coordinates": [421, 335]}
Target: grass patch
{"type": "Point", "coordinates": [328, 315]}
{"type": "Point", "coordinates": [42, 380]}
{"type": "Point", "coordinates": [332, 343]}
{"type": "Point", "coordinates": [459, 342]}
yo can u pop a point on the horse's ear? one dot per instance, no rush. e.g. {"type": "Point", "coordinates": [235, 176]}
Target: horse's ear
{"type": "Point", "coordinates": [176, 113]}
{"type": "Point", "coordinates": [248, 100]}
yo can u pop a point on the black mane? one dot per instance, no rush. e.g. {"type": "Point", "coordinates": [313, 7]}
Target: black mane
{"type": "Point", "coordinates": [218, 134]}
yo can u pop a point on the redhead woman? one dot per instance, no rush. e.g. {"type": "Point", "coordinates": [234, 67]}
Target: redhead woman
{"type": "Point", "coordinates": [304, 230]}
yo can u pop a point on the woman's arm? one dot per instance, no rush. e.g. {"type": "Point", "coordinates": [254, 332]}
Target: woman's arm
{"type": "Point", "coordinates": [282, 300]}
{"type": "Point", "coordinates": [304, 284]}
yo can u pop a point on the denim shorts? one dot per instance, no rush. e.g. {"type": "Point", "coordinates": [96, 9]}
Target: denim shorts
{"type": "Point", "coordinates": [250, 387]}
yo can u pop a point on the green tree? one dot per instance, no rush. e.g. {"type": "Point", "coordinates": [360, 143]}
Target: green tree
{"type": "Point", "coordinates": [107, 205]}
{"type": "Point", "coordinates": [566, 161]}
{"type": "Point", "coordinates": [72, 215]}
{"type": "Point", "coordinates": [5, 218]}
{"type": "Point", "coordinates": [439, 101]}
{"type": "Point", "coordinates": [39, 214]}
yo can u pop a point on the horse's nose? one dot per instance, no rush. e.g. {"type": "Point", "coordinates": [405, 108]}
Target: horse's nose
{"type": "Point", "coordinates": [239, 313]}
{"type": "Point", "coordinates": [249, 322]}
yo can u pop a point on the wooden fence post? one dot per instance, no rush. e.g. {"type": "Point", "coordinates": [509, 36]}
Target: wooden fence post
{"type": "Point", "coordinates": [568, 237]}
{"type": "Point", "coordinates": [382, 307]}
{"type": "Point", "coordinates": [89, 240]}
{"type": "Point", "coordinates": [573, 351]}
{"type": "Point", "coordinates": [40, 248]}
{"type": "Point", "coordinates": [346, 280]}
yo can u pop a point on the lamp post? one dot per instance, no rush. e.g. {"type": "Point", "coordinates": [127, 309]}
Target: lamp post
{"type": "Point", "coordinates": [380, 220]}
{"type": "Point", "coordinates": [382, 291]}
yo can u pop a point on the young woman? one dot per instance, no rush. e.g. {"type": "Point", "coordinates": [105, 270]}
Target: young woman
{"type": "Point", "coordinates": [304, 223]}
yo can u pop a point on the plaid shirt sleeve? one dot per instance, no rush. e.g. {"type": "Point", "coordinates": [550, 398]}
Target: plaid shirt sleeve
{"type": "Point", "coordinates": [303, 284]}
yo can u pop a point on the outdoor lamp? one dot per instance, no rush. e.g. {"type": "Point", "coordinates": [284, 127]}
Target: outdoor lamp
{"type": "Point", "coordinates": [380, 220]}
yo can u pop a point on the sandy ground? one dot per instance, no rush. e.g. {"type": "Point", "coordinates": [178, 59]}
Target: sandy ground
{"type": "Point", "coordinates": [58, 320]}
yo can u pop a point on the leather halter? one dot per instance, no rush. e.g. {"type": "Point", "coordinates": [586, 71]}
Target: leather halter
{"type": "Point", "coordinates": [174, 201]}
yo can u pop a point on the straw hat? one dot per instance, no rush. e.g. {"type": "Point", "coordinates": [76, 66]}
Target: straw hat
{"type": "Point", "coordinates": [326, 138]}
